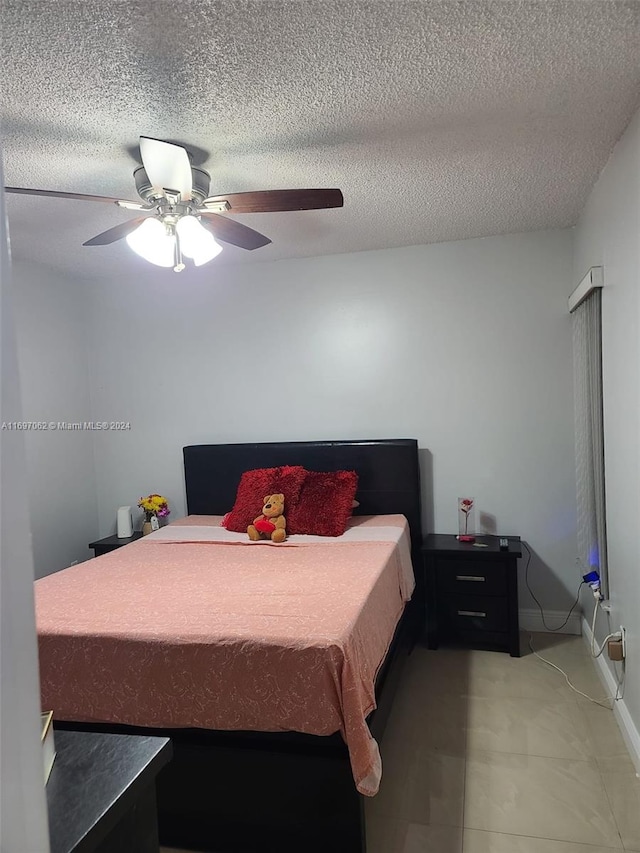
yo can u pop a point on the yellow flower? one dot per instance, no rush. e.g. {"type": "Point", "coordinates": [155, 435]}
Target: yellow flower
{"type": "Point", "coordinates": [155, 504]}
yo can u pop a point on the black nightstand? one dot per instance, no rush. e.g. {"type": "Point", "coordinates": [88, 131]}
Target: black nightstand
{"type": "Point", "coordinates": [111, 543]}
{"type": "Point", "coordinates": [101, 794]}
{"type": "Point", "coordinates": [472, 593]}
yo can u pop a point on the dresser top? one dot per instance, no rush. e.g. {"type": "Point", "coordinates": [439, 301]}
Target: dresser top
{"type": "Point", "coordinates": [115, 540]}
{"type": "Point", "coordinates": [449, 544]}
{"type": "Point", "coordinates": [94, 780]}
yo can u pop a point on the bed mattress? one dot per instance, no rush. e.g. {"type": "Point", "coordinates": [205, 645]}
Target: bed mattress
{"type": "Point", "coordinates": [191, 628]}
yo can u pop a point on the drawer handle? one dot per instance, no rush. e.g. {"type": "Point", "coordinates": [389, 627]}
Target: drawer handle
{"type": "Point", "coordinates": [480, 578]}
{"type": "Point", "coordinates": [471, 613]}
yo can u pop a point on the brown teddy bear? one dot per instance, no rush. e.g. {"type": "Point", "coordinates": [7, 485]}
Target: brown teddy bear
{"type": "Point", "coordinates": [272, 523]}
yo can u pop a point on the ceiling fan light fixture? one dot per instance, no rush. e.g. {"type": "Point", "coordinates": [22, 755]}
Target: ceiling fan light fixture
{"type": "Point", "coordinates": [184, 217]}
{"type": "Point", "coordinates": [152, 242]}
{"type": "Point", "coordinates": [195, 241]}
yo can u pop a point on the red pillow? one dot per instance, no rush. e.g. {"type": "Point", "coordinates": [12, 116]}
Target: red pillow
{"type": "Point", "coordinates": [325, 504]}
{"type": "Point", "coordinates": [254, 485]}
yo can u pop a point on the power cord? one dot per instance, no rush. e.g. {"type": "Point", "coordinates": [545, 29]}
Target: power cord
{"type": "Point", "coordinates": [597, 654]}
{"type": "Point", "coordinates": [532, 594]}
{"type": "Point", "coordinates": [574, 688]}
{"type": "Point", "coordinates": [553, 630]}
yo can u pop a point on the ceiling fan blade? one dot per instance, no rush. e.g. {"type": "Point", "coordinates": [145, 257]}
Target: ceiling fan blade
{"type": "Point", "coordinates": [134, 205]}
{"type": "Point", "coordinates": [115, 233]}
{"type": "Point", "coordinates": [230, 231]}
{"type": "Point", "coordinates": [56, 194]}
{"type": "Point", "coordinates": [167, 165]}
{"type": "Point", "coordinates": [272, 201]}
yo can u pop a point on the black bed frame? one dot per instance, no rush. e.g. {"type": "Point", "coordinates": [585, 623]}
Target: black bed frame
{"type": "Point", "coordinates": [283, 792]}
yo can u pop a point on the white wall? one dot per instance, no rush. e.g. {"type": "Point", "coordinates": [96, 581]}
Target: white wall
{"type": "Point", "coordinates": [53, 345]}
{"type": "Point", "coordinates": [23, 813]}
{"type": "Point", "coordinates": [608, 235]}
{"type": "Point", "coordinates": [465, 346]}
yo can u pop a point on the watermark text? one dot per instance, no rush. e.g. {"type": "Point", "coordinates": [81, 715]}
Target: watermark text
{"type": "Point", "coordinates": [65, 426]}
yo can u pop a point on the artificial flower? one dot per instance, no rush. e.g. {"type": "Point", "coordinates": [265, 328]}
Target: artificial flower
{"type": "Point", "coordinates": [154, 505]}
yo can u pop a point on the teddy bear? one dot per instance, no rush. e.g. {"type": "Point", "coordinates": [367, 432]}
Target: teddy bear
{"type": "Point", "coordinates": [272, 523]}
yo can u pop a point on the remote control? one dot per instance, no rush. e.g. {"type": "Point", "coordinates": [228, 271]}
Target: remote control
{"type": "Point", "coordinates": [504, 544]}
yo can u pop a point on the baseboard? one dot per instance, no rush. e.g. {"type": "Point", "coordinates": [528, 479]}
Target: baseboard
{"type": "Point", "coordinates": [531, 620]}
{"type": "Point", "coordinates": [625, 722]}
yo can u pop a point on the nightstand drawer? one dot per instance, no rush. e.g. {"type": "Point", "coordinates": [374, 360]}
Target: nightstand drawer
{"type": "Point", "coordinates": [112, 543]}
{"type": "Point", "coordinates": [471, 577]}
{"type": "Point", "coordinates": [99, 550]}
{"type": "Point", "coordinates": [474, 613]}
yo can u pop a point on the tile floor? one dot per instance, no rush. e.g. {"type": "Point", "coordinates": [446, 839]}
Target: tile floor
{"type": "Point", "coordinates": [490, 754]}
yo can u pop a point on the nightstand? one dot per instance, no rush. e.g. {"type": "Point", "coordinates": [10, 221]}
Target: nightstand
{"type": "Point", "coordinates": [101, 794]}
{"type": "Point", "coordinates": [472, 593]}
{"type": "Point", "coordinates": [111, 543]}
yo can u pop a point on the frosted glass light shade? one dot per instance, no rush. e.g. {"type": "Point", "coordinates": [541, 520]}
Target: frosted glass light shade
{"type": "Point", "coordinates": [152, 242]}
{"type": "Point", "coordinates": [195, 241]}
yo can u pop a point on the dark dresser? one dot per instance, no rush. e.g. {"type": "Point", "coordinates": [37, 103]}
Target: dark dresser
{"type": "Point", "coordinates": [472, 592]}
{"type": "Point", "coordinates": [101, 793]}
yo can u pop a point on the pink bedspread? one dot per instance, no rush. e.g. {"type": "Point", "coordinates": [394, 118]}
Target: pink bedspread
{"type": "Point", "coordinates": [223, 636]}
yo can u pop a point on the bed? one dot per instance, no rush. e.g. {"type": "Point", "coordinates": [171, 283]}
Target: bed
{"type": "Point", "coordinates": [248, 789]}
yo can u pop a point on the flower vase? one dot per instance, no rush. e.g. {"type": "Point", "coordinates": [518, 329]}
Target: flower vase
{"type": "Point", "coordinates": [466, 521]}
{"type": "Point", "coordinates": [146, 527]}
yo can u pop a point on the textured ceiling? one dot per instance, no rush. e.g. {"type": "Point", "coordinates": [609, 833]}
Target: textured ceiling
{"type": "Point", "coordinates": [438, 120]}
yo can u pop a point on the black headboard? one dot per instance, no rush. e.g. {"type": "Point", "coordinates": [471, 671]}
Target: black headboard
{"type": "Point", "coordinates": [388, 473]}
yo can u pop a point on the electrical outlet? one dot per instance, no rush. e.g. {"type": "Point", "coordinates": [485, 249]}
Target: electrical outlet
{"type": "Point", "coordinates": [616, 645]}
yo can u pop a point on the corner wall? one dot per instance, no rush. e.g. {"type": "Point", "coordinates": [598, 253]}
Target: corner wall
{"type": "Point", "coordinates": [608, 235]}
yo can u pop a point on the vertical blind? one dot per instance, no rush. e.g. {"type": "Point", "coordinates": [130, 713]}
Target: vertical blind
{"type": "Point", "coordinates": [587, 365]}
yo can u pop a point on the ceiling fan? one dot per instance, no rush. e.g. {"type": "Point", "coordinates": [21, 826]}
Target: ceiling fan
{"type": "Point", "coordinates": [181, 218]}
